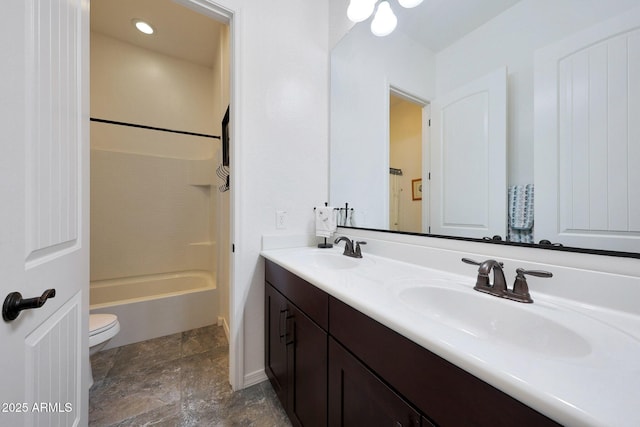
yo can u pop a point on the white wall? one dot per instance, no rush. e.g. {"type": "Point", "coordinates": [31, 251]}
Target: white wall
{"type": "Point", "coordinates": [279, 155]}
{"type": "Point", "coordinates": [510, 39]}
{"type": "Point", "coordinates": [363, 67]}
{"type": "Point", "coordinates": [339, 23]}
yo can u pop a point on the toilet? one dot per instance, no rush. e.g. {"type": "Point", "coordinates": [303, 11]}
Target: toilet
{"type": "Point", "coordinates": [102, 327]}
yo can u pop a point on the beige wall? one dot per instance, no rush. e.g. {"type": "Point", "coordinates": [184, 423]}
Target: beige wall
{"type": "Point", "coordinates": [151, 203]}
{"type": "Point", "coordinates": [221, 221]}
{"type": "Point", "coordinates": [141, 86]}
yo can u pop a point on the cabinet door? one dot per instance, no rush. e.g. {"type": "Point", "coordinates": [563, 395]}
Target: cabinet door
{"type": "Point", "coordinates": [358, 398]}
{"type": "Point", "coordinates": [275, 348]}
{"type": "Point", "coordinates": [307, 362]}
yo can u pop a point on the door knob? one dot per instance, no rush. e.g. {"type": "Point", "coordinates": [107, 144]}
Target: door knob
{"type": "Point", "coordinates": [14, 304]}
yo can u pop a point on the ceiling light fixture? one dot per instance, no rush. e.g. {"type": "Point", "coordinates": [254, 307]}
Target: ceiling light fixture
{"type": "Point", "coordinates": [143, 26]}
{"type": "Point", "coordinates": [359, 10]}
{"type": "Point", "coordinates": [409, 3]}
{"type": "Point", "coordinates": [384, 21]}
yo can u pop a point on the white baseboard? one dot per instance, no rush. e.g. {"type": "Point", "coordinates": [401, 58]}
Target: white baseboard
{"type": "Point", "coordinates": [223, 322]}
{"type": "Point", "coordinates": [254, 378]}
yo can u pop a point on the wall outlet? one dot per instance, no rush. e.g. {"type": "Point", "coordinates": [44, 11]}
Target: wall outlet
{"type": "Point", "coordinates": [281, 220]}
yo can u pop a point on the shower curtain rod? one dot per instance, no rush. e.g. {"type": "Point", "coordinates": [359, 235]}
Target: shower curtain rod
{"type": "Point", "coordinates": [112, 122]}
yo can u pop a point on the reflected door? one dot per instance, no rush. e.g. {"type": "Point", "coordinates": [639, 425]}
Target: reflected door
{"type": "Point", "coordinates": [587, 137]}
{"type": "Point", "coordinates": [468, 159]}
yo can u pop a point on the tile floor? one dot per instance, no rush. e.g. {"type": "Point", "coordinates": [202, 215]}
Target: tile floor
{"type": "Point", "coordinates": [177, 380]}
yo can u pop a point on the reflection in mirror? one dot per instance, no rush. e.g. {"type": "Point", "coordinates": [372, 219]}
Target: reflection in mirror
{"type": "Point", "coordinates": [440, 47]}
{"type": "Point", "coordinates": [405, 160]}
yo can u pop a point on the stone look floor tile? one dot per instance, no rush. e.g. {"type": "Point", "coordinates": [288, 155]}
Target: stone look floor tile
{"type": "Point", "coordinates": [133, 357]}
{"type": "Point", "coordinates": [125, 396]}
{"type": "Point", "coordinates": [177, 380]}
{"type": "Point", "coordinates": [280, 416]}
{"type": "Point", "coordinates": [101, 364]}
{"type": "Point", "coordinates": [202, 340]}
{"type": "Point", "coordinates": [165, 416]}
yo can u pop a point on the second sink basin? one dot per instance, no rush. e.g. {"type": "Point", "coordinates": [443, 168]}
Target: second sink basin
{"type": "Point", "coordinates": [494, 319]}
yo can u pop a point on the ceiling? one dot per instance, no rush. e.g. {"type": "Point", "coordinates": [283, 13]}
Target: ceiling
{"type": "Point", "coordinates": [185, 34]}
{"type": "Point", "coordinates": [180, 32]}
{"type": "Point", "coordinates": [437, 24]}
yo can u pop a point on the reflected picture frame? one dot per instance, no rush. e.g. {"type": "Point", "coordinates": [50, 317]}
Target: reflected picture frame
{"type": "Point", "coordinates": [416, 189]}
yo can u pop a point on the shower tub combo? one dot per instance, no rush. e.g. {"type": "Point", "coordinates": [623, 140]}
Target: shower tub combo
{"type": "Point", "coordinates": [156, 305]}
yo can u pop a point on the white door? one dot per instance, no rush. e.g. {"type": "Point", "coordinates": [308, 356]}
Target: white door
{"type": "Point", "coordinates": [587, 137]}
{"type": "Point", "coordinates": [44, 210]}
{"type": "Point", "coordinates": [468, 159]}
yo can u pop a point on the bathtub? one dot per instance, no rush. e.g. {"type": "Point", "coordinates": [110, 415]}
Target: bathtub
{"type": "Point", "coordinates": [156, 305]}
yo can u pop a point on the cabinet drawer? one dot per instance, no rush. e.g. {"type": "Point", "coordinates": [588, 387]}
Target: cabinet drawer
{"type": "Point", "coordinates": [447, 394]}
{"type": "Point", "coordinates": [311, 300]}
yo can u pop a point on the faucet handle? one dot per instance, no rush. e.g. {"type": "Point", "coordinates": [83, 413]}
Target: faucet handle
{"type": "Point", "coordinates": [358, 251]}
{"type": "Point", "coordinates": [474, 262]}
{"type": "Point", "coordinates": [520, 288]}
{"type": "Point", "coordinates": [537, 273]}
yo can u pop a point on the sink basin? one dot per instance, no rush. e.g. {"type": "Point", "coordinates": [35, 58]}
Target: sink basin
{"type": "Point", "coordinates": [493, 319]}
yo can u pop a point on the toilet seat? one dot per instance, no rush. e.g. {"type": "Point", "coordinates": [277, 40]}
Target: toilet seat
{"type": "Point", "coordinates": [101, 322]}
{"type": "Point", "coordinates": [102, 327]}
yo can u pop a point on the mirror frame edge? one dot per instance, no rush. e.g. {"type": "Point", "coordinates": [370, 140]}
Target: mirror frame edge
{"type": "Point", "coordinates": [602, 252]}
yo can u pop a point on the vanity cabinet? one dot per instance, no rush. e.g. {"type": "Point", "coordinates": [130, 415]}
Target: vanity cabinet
{"type": "Point", "coordinates": [357, 397]}
{"type": "Point", "coordinates": [332, 365]}
{"type": "Point", "coordinates": [296, 316]}
{"type": "Point", "coordinates": [446, 394]}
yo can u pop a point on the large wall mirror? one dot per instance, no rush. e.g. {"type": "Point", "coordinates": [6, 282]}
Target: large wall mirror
{"type": "Point", "coordinates": [484, 118]}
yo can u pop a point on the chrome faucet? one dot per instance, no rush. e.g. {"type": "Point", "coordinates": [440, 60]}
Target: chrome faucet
{"type": "Point", "coordinates": [499, 285]}
{"type": "Point", "coordinates": [349, 249]}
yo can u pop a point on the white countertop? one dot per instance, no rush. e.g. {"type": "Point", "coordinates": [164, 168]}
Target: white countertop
{"type": "Point", "coordinates": [598, 384]}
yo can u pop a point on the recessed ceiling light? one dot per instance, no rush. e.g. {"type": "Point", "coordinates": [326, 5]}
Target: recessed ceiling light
{"type": "Point", "coordinates": [143, 27]}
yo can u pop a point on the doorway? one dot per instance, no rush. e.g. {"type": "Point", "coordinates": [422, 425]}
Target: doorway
{"type": "Point", "coordinates": [158, 208]}
{"type": "Point", "coordinates": [408, 146]}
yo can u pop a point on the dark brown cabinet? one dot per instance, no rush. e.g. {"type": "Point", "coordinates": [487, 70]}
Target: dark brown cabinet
{"type": "Point", "coordinates": [332, 365]}
{"type": "Point", "coordinates": [446, 394]}
{"type": "Point", "coordinates": [275, 341]}
{"type": "Point", "coordinates": [296, 357]}
{"type": "Point", "coordinates": [357, 397]}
